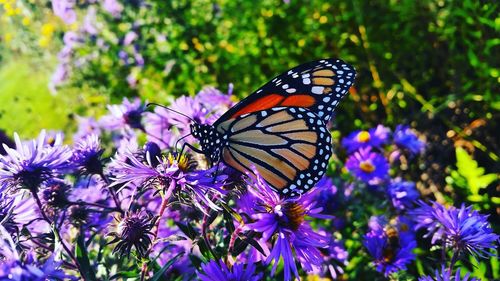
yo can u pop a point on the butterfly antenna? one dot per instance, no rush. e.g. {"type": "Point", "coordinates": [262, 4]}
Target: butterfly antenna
{"type": "Point", "coordinates": [183, 137]}
{"type": "Point", "coordinates": [170, 109]}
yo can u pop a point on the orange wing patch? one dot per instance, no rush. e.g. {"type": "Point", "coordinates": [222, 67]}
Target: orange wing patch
{"type": "Point", "coordinates": [276, 100]}
{"type": "Point", "coordinates": [299, 101]}
{"type": "Point", "coordinates": [263, 103]}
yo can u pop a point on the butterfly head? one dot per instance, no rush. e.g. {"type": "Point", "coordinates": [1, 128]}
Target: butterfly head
{"type": "Point", "coordinates": [210, 140]}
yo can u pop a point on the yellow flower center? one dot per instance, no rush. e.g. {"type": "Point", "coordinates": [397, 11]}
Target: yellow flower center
{"type": "Point", "coordinates": [363, 136]}
{"type": "Point", "coordinates": [366, 166]}
{"type": "Point", "coordinates": [182, 162]}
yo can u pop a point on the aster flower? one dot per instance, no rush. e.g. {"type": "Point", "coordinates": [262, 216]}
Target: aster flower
{"type": "Point", "coordinates": [447, 275]}
{"type": "Point", "coordinates": [405, 138]}
{"type": "Point", "coordinates": [326, 195]}
{"type": "Point", "coordinates": [170, 175]}
{"type": "Point", "coordinates": [402, 194]}
{"type": "Point", "coordinates": [390, 244]}
{"type": "Point", "coordinates": [113, 7]}
{"type": "Point", "coordinates": [283, 221]}
{"type": "Point", "coordinates": [335, 258]}
{"type": "Point", "coordinates": [214, 100]}
{"type": "Point", "coordinates": [464, 230]}
{"type": "Point", "coordinates": [133, 230]}
{"type": "Point", "coordinates": [87, 155]}
{"type": "Point", "coordinates": [375, 137]}
{"type": "Point", "coordinates": [32, 163]}
{"type": "Point", "coordinates": [369, 167]}
{"type": "Point", "coordinates": [13, 267]}
{"type": "Point", "coordinates": [86, 126]}
{"type": "Point", "coordinates": [125, 115]}
{"type": "Point", "coordinates": [65, 10]}
{"type": "Point", "coordinates": [219, 271]}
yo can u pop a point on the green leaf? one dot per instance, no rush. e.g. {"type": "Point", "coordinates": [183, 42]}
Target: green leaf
{"type": "Point", "coordinates": [187, 229]}
{"type": "Point", "coordinates": [164, 268]}
{"type": "Point", "coordinates": [470, 170]}
{"type": "Point", "coordinates": [83, 259]}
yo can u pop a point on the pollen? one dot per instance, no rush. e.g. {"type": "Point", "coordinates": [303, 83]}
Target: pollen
{"type": "Point", "coordinates": [366, 166]}
{"type": "Point", "coordinates": [294, 213]}
{"type": "Point", "coordinates": [363, 136]}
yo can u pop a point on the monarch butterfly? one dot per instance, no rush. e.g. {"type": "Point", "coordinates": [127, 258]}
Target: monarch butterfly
{"type": "Point", "coordinates": [280, 129]}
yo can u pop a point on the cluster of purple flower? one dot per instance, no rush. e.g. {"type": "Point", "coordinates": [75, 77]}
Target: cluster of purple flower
{"type": "Point", "coordinates": [149, 206]}
{"type": "Point", "coordinates": [391, 242]}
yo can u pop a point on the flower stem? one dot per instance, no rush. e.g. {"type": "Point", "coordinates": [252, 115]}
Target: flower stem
{"type": "Point", "coordinates": [112, 192]}
{"type": "Point", "coordinates": [57, 234]}
{"type": "Point", "coordinates": [163, 207]}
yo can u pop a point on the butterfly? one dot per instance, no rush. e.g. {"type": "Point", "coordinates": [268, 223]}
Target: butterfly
{"type": "Point", "coordinates": [280, 129]}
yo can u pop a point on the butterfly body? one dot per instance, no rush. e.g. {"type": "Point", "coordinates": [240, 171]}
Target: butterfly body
{"type": "Point", "coordinates": [280, 130]}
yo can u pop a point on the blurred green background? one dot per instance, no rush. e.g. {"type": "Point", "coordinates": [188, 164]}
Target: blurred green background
{"type": "Point", "coordinates": [432, 64]}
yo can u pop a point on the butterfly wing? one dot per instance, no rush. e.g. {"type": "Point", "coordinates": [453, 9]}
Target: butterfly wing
{"type": "Point", "coordinates": [318, 86]}
{"type": "Point", "coordinates": [289, 147]}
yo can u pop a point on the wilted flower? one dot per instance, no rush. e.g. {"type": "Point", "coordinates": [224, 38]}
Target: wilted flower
{"type": "Point", "coordinates": [55, 194]}
{"type": "Point", "coordinates": [447, 275]}
{"type": "Point", "coordinates": [219, 271]}
{"type": "Point", "coordinates": [464, 229]}
{"type": "Point", "coordinates": [32, 163]}
{"type": "Point", "coordinates": [87, 155]}
{"type": "Point", "coordinates": [284, 220]}
{"type": "Point", "coordinates": [402, 194]}
{"type": "Point", "coordinates": [133, 230]}
{"type": "Point", "coordinates": [404, 137]}
{"type": "Point", "coordinates": [374, 137]}
{"type": "Point", "coordinates": [370, 167]}
{"type": "Point", "coordinates": [390, 244]}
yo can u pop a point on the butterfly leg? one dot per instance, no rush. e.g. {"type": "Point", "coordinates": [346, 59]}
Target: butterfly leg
{"type": "Point", "coordinates": [216, 171]}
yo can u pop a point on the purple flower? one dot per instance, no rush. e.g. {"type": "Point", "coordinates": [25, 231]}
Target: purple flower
{"type": "Point", "coordinates": [169, 175]}
{"type": "Point", "coordinates": [129, 38]}
{"type": "Point", "coordinates": [390, 244]}
{"type": "Point", "coordinates": [65, 10]}
{"type": "Point", "coordinates": [375, 137]}
{"type": "Point", "coordinates": [369, 167]}
{"type": "Point", "coordinates": [32, 163]}
{"type": "Point", "coordinates": [86, 126]}
{"type": "Point", "coordinates": [447, 275]}
{"type": "Point", "coordinates": [402, 194]}
{"type": "Point", "coordinates": [125, 115]}
{"type": "Point", "coordinates": [160, 122]}
{"type": "Point", "coordinates": [133, 230]}
{"type": "Point", "coordinates": [219, 271]}
{"type": "Point", "coordinates": [326, 195]}
{"type": "Point", "coordinates": [464, 229]}
{"type": "Point", "coordinates": [113, 7]}
{"type": "Point", "coordinates": [14, 267]}
{"type": "Point", "coordinates": [335, 257]}
{"type": "Point", "coordinates": [404, 137]}
{"type": "Point", "coordinates": [214, 100]}
{"type": "Point", "coordinates": [87, 155]}
{"type": "Point", "coordinates": [59, 76]}
{"type": "Point", "coordinates": [282, 220]}
{"type": "Point", "coordinates": [89, 22]}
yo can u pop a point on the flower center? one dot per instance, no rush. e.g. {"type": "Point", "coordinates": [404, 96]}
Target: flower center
{"type": "Point", "coordinates": [366, 166]}
{"type": "Point", "coordinates": [32, 178]}
{"type": "Point", "coordinates": [291, 215]}
{"type": "Point", "coordinates": [363, 136]}
{"type": "Point", "coordinates": [133, 119]}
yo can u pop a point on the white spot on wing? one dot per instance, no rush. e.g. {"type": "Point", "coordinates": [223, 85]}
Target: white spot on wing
{"type": "Point", "coordinates": [317, 90]}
